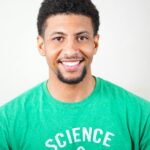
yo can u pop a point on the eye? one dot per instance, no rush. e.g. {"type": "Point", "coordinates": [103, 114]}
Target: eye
{"type": "Point", "coordinates": [82, 38]}
{"type": "Point", "coordinates": [58, 39]}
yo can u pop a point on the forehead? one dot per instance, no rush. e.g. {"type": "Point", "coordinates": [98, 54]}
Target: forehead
{"type": "Point", "coordinates": [68, 23]}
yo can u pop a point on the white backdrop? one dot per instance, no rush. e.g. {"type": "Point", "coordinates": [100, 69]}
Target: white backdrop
{"type": "Point", "coordinates": [123, 56]}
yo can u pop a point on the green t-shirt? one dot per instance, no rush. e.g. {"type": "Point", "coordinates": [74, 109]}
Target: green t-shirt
{"type": "Point", "coordinates": [110, 118]}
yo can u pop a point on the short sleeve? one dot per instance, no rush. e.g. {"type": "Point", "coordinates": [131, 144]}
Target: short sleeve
{"type": "Point", "coordinates": [145, 139]}
{"type": "Point", "coordinates": [3, 132]}
{"type": "Point", "coordinates": [3, 139]}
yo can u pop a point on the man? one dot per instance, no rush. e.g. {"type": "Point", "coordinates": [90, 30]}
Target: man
{"type": "Point", "coordinates": [73, 110]}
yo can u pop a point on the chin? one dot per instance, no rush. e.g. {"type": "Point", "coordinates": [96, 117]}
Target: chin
{"type": "Point", "coordinates": [72, 80]}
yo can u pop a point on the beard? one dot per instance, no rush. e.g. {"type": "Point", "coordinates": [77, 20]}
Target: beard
{"type": "Point", "coordinates": [76, 80]}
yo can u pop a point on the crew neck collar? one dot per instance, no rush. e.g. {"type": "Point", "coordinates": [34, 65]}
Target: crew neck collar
{"type": "Point", "coordinates": [82, 102]}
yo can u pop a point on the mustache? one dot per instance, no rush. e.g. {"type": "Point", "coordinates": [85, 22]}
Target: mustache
{"type": "Point", "coordinates": [72, 57]}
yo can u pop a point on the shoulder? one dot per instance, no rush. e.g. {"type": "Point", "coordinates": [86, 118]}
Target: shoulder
{"type": "Point", "coordinates": [114, 90]}
{"type": "Point", "coordinates": [122, 97]}
{"type": "Point", "coordinates": [23, 99]}
{"type": "Point", "coordinates": [133, 110]}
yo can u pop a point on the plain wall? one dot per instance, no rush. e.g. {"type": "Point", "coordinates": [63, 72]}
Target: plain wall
{"type": "Point", "coordinates": [122, 58]}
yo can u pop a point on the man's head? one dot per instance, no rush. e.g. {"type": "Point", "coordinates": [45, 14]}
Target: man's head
{"type": "Point", "coordinates": [53, 7]}
{"type": "Point", "coordinates": [68, 38]}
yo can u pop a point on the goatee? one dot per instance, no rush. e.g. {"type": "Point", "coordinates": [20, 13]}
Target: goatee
{"type": "Point", "coordinates": [73, 80]}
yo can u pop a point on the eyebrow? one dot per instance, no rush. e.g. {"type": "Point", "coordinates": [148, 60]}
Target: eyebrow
{"type": "Point", "coordinates": [57, 33]}
{"type": "Point", "coordinates": [62, 33]}
{"type": "Point", "coordinates": [82, 32]}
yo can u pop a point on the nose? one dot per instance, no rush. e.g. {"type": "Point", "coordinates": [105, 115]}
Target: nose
{"type": "Point", "coordinates": [70, 46]}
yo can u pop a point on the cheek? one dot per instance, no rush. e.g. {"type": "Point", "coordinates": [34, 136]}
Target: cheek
{"type": "Point", "coordinates": [88, 49]}
{"type": "Point", "coordinates": [89, 53]}
{"type": "Point", "coordinates": [51, 57]}
{"type": "Point", "coordinates": [52, 52]}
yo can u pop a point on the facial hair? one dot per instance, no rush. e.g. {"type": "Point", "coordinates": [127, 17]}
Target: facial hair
{"type": "Point", "coordinates": [74, 80]}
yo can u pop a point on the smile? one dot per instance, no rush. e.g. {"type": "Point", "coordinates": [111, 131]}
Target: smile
{"type": "Point", "coordinates": [71, 65]}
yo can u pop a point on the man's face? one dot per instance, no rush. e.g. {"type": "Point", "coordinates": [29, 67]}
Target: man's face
{"type": "Point", "coordinates": [69, 45]}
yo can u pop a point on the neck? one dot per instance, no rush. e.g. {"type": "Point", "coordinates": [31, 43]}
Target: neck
{"type": "Point", "coordinates": [71, 93]}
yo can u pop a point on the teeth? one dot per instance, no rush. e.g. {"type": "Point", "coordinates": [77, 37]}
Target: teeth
{"type": "Point", "coordinates": [71, 63]}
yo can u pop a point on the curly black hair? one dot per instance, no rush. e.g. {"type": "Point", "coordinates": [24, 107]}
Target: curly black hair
{"type": "Point", "coordinates": [54, 7]}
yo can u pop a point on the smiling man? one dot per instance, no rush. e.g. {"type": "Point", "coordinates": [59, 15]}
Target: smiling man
{"type": "Point", "coordinates": [73, 109]}
{"type": "Point", "coordinates": [69, 44]}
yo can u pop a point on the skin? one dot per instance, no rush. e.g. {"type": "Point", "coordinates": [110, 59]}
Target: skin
{"type": "Point", "coordinates": [69, 39]}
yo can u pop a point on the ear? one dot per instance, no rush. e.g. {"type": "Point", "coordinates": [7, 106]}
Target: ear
{"type": "Point", "coordinates": [40, 45]}
{"type": "Point", "coordinates": [96, 43]}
